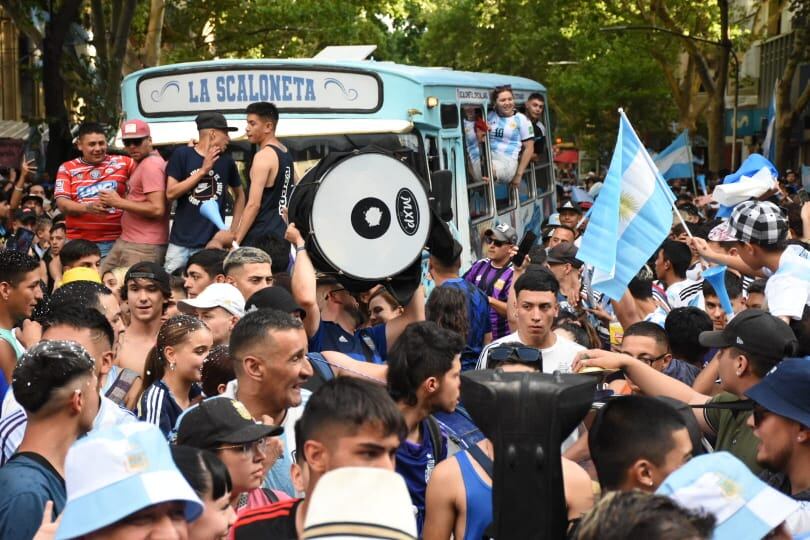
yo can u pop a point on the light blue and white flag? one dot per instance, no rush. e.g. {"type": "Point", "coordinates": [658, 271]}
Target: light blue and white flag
{"type": "Point", "coordinates": [675, 161]}
{"type": "Point", "coordinates": [701, 180]}
{"type": "Point", "coordinates": [630, 219]}
{"type": "Point", "coordinates": [769, 144]}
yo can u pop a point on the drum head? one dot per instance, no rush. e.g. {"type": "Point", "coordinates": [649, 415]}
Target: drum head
{"type": "Point", "coordinates": [370, 217]}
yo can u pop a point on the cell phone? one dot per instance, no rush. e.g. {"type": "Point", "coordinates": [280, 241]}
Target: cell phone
{"type": "Point", "coordinates": [523, 249]}
{"type": "Point", "coordinates": [21, 241]}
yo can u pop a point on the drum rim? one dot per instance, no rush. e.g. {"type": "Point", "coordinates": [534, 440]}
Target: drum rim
{"type": "Point", "coordinates": [314, 236]}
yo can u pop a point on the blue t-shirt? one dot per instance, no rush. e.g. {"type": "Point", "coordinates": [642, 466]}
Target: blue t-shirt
{"type": "Point", "coordinates": [477, 318]}
{"type": "Point", "coordinates": [415, 463]}
{"type": "Point", "coordinates": [27, 482]}
{"type": "Point", "coordinates": [190, 228]}
{"type": "Point", "coordinates": [366, 344]}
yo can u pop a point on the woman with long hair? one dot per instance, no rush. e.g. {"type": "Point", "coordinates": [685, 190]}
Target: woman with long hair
{"type": "Point", "coordinates": [174, 371]}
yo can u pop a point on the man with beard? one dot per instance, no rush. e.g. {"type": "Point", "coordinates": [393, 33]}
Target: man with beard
{"type": "Point", "coordinates": [780, 420]}
{"type": "Point", "coordinates": [333, 315]}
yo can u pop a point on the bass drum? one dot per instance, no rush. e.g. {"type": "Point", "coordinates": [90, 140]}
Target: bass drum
{"type": "Point", "coordinates": [365, 214]}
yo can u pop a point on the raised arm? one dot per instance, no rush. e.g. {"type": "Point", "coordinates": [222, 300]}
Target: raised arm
{"type": "Point", "coordinates": [648, 379]}
{"type": "Point", "coordinates": [304, 283]}
{"type": "Point", "coordinates": [414, 312]}
{"type": "Point", "coordinates": [176, 188]}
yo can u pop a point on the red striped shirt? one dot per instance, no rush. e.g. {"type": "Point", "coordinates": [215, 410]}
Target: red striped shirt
{"type": "Point", "coordinates": [81, 182]}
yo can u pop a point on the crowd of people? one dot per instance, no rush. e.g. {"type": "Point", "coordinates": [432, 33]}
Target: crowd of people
{"type": "Point", "coordinates": [166, 378]}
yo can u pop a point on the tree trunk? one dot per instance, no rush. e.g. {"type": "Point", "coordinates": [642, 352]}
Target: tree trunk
{"type": "Point", "coordinates": [60, 141]}
{"type": "Point", "coordinates": [154, 33]}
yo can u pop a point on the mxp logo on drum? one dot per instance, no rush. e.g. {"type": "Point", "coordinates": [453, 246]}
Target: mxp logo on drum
{"type": "Point", "coordinates": [407, 211]}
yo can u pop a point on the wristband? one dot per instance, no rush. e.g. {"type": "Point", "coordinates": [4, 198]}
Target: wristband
{"type": "Point", "coordinates": [18, 189]}
{"type": "Point", "coordinates": [299, 249]}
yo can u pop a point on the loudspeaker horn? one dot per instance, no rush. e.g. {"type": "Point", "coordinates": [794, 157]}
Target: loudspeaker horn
{"type": "Point", "coordinates": [716, 276]}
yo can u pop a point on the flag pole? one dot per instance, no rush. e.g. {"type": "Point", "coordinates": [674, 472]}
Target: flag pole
{"type": "Point", "coordinates": [658, 177]}
{"type": "Point", "coordinates": [691, 162]}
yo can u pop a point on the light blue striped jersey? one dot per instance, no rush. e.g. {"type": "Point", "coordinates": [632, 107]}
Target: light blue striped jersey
{"type": "Point", "coordinates": [507, 133]}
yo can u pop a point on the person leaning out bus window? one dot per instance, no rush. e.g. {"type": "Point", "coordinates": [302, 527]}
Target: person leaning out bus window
{"type": "Point", "coordinates": [509, 133]}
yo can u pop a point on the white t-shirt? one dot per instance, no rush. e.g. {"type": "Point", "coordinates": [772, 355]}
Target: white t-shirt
{"type": "Point", "coordinates": [14, 421]}
{"type": "Point", "coordinates": [278, 477]}
{"type": "Point", "coordinates": [788, 289]}
{"type": "Point", "coordinates": [682, 293]}
{"type": "Point", "coordinates": [558, 357]}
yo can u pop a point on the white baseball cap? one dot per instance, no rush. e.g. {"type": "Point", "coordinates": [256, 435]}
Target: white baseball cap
{"type": "Point", "coordinates": [222, 295]}
{"type": "Point", "coordinates": [118, 471]}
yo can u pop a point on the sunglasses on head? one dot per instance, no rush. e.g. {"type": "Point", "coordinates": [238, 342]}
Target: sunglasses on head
{"type": "Point", "coordinates": [503, 87]}
{"type": "Point", "coordinates": [496, 243]}
{"type": "Point", "coordinates": [134, 142]}
{"type": "Point", "coordinates": [506, 353]}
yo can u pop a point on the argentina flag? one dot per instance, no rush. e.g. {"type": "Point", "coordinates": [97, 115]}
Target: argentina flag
{"type": "Point", "coordinates": [630, 219]}
{"type": "Point", "coordinates": [675, 161]}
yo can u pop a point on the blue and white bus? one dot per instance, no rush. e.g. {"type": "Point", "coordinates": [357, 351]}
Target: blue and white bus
{"type": "Point", "coordinates": [329, 106]}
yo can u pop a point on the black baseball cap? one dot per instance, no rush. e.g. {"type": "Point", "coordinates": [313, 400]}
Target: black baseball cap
{"type": "Point", "coordinates": [274, 298]}
{"type": "Point", "coordinates": [25, 215]}
{"type": "Point", "coordinates": [150, 270]}
{"type": "Point", "coordinates": [756, 332]}
{"type": "Point", "coordinates": [220, 420]}
{"type": "Point", "coordinates": [564, 252]}
{"type": "Point", "coordinates": [36, 198]}
{"type": "Point", "coordinates": [213, 120]}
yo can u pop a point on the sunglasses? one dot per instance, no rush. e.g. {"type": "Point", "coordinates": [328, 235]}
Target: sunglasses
{"type": "Point", "coordinates": [759, 413]}
{"type": "Point", "coordinates": [249, 448]}
{"type": "Point", "coordinates": [503, 87]}
{"type": "Point", "coordinates": [505, 353]}
{"type": "Point", "coordinates": [648, 359]}
{"type": "Point", "coordinates": [496, 243]}
{"type": "Point", "coordinates": [134, 142]}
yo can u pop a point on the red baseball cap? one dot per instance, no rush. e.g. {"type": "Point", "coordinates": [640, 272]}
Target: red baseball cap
{"type": "Point", "coordinates": [134, 129]}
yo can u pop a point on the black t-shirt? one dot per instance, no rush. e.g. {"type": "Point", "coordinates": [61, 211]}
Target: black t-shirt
{"type": "Point", "coordinates": [190, 228]}
{"type": "Point", "coordinates": [276, 521]}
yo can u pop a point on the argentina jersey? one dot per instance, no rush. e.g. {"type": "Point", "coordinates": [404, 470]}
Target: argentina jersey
{"type": "Point", "coordinates": [506, 134]}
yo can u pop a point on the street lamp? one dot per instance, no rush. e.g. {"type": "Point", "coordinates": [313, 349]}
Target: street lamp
{"type": "Point", "coordinates": [726, 44]}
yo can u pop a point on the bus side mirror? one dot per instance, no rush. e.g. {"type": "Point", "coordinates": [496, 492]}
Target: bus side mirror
{"type": "Point", "coordinates": [441, 193]}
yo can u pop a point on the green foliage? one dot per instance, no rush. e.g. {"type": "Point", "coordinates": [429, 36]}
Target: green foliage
{"type": "Point", "coordinates": [600, 72]}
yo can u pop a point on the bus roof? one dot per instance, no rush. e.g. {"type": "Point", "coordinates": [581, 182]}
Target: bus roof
{"type": "Point", "coordinates": [426, 76]}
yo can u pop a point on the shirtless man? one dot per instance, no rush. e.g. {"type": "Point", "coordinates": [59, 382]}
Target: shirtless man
{"type": "Point", "coordinates": [271, 178]}
{"type": "Point", "coordinates": [147, 289]}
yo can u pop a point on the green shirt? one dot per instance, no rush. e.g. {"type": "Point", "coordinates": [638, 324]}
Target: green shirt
{"type": "Point", "coordinates": [733, 433]}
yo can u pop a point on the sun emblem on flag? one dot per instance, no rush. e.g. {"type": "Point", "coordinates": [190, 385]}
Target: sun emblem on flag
{"type": "Point", "coordinates": [628, 206]}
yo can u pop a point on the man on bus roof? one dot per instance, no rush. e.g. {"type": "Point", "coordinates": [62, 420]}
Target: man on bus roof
{"type": "Point", "coordinates": [271, 178]}
{"type": "Point", "coordinates": [197, 174]}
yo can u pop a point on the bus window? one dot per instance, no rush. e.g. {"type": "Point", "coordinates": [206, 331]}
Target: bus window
{"type": "Point", "coordinates": [433, 153]}
{"type": "Point", "coordinates": [308, 151]}
{"type": "Point", "coordinates": [526, 187]}
{"type": "Point", "coordinates": [476, 160]}
{"type": "Point", "coordinates": [542, 175]}
{"type": "Point", "coordinates": [504, 197]}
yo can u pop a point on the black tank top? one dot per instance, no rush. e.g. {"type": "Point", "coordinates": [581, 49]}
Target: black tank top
{"type": "Point", "coordinates": [269, 222]}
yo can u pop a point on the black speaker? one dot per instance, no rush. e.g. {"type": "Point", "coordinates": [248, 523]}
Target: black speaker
{"type": "Point", "coordinates": [527, 416]}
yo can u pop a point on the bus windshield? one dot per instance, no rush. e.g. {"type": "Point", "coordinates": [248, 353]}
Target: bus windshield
{"type": "Point", "coordinates": [308, 151]}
